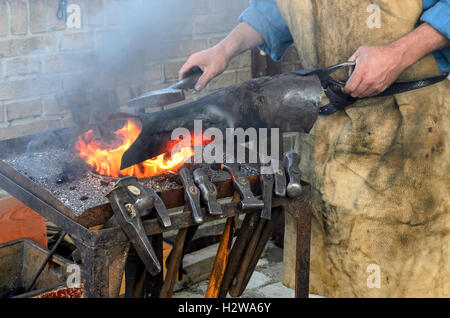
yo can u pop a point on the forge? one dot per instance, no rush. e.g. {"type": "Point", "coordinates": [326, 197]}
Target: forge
{"type": "Point", "coordinates": [72, 177]}
{"type": "Point", "coordinates": [51, 162]}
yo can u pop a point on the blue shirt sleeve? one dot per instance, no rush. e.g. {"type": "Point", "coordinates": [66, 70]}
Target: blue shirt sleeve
{"type": "Point", "coordinates": [265, 17]}
{"type": "Point", "coordinates": [437, 14]}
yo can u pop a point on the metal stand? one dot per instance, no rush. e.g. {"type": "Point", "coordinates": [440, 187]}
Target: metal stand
{"type": "Point", "coordinates": [103, 252]}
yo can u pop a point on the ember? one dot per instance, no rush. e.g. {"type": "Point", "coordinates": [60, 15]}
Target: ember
{"type": "Point", "coordinates": [105, 159]}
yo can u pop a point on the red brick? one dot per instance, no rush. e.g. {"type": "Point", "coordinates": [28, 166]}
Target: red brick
{"type": "Point", "coordinates": [241, 61]}
{"type": "Point", "coordinates": [3, 18]}
{"type": "Point", "coordinates": [114, 9]}
{"type": "Point", "coordinates": [221, 6]}
{"type": "Point", "coordinates": [54, 109]}
{"type": "Point", "coordinates": [77, 41]}
{"type": "Point", "coordinates": [38, 16]}
{"type": "Point", "coordinates": [171, 70]}
{"type": "Point", "coordinates": [25, 109]}
{"type": "Point", "coordinates": [180, 27]}
{"type": "Point", "coordinates": [54, 23]}
{"type": "Point", "coordinates": [42, 85]}
{"type": "Point", "coordinates": [94, 13]}
{"type": "Point", "coordinates": [25, 46]}
{"type": "Point", "coordinates": [244, 76]}
{"type": "Point", "coordinates": [69, 62]}
{"type": "Point", "coordinates": [19, 17]}
{"type": "Point", "coordinates": [214, 24]}
{"type": "Point", "coordinates": [88, 80]}
{"type": "Point", "coordinates": [224, 80]}
{"type": "Point", "coordinates": [33, 127]}
{"type": "Point", "coordinates": [238, 5]}
{"type": "Point", "coordinates": [2, 113]}
{"type": "Point", "coordinates": [177, 49]}
{"type": "Point", "coordinates": [145, 73]}
{"type": "Point", "coordinates": [22, 66]}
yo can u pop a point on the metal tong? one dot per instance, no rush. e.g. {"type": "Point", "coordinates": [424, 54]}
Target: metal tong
{"type": "Point", "coordinates": [130, 201]}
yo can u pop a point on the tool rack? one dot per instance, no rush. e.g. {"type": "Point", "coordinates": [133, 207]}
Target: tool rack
{"type": "Point", "coordinates": [103, 251]}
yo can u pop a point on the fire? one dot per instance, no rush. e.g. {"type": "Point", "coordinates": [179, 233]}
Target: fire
{"type": "Point", "coordinates": [106, 159]}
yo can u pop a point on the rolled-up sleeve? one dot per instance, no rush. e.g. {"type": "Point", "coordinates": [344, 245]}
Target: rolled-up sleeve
{"type": "Point", "coordinates": [437, 14]}
{"type": "Point", "coordinates": [265, 17]}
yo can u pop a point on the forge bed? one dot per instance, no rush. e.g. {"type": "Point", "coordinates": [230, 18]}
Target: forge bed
{"type": "Point", "coordinates": [47, 160]}
{"type": "Point", "coordinates": [41, 171]}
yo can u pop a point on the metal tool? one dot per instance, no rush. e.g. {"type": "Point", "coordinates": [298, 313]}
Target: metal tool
{"type": "Point", "coordinates": [291, 163]}
{"type": "Point", "coordinates": [173, 264]}
{"type": "Point", "coordinates": [234, 260]}
{"type": "Point", "coordinates": [267, 182]}
{"type": "Point", "coordinates": [170, 95]}
{"type": "Point", "coordinates": [242, 186]}
{"type": "Point", "coordinates": [192, 195]}
{"type": "Point", "coordinates": [130, 201]}
{"type": "Point", "coordinates": [324, 73]}
{"type": "Point", "coordinates": [208, 191]}
{"type": "Point", "coordinates": [280, 182]}
{"type": "Point", "coordinates": [288, 102]}
{"type": "Point", "coordinates": [241, 281]}
{"type": "Point", "coordinates": [220, 262]}
{"type": "Point", "coordinates": [47, 259]}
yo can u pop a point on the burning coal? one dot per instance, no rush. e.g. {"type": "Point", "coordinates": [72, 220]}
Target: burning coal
{"type": "Point", "coordinates": [105, 158]}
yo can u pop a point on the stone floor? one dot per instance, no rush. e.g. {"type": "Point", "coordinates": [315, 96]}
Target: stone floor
{"type": "Point", "coordinates": [265, 282]}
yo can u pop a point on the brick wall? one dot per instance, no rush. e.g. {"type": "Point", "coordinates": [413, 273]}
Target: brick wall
{"type": "Point", "coordinates": [124, 48]}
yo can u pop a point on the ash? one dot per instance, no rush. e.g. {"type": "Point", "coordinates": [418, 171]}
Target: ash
{"type": "Point", "coordinates": [70, 180]}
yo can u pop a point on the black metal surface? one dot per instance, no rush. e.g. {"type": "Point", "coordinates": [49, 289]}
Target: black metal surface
{"type": "Point", "coordinates": [242, 186]}
{"type": "Point", "coordinates": [47, 259]}
{"type": "Point", "coordinates": [126, 200]}
{"type": "Point", "coordinates": [192, 195]}
{"type": "Point", "coordinates": [292, 163]}
{"type": "Point", "coordinates": [208, 191]}
{"type": "Point", "coordinates": [288, 102]}
{"type": "Point", "coordinates": [280, 182]}
{"type": "Point", "coordinates": [170, 95]}
{"type": "Point", "coordinates": [267, 194]}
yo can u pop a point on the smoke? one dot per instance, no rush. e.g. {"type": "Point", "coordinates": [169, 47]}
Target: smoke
{"type": "Point", "coordinates": [130, 38]}
{"type": "Point", "coordinates": [123, 55]}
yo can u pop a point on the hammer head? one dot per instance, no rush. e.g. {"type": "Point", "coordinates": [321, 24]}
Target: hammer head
{"type": "Point", "coordinates": [158, 98]}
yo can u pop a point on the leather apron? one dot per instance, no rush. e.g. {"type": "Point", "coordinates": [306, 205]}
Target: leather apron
{"type": "Point", "coordinates": [380, 170]}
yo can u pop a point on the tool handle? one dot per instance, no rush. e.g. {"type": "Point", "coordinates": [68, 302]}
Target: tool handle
{"type": "Point", "coordinates": [280, 182]}
{"type": "Point", "coordinates": [267, 183]}
{"type": "Point", "coordinates": [292, 163]}
{"type": "Point", "coordinates": [192, 195]}
{"type": "Point", "coordinates": [190, 79]}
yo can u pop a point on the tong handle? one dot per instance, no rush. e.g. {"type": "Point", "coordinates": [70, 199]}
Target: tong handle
{"type": "Point", "coordinates": [324, 74]}
{"type": "Point", "coordinates": [192, 195]}
{"type": "Point", "coordinates": [190, 79]}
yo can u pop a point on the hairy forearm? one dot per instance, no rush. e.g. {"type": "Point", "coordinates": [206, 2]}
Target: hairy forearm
{"type": "Point", "coordinates": [420, 42]}
{"type": "Point", "coordinates": [241, 39]}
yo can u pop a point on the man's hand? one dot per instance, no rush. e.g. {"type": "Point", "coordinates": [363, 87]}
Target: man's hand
{"type": "Point", "coordinates": [215, 60]}
{"type": "Point", "coordinates": [377, 67]}
{"type": "Point", "coordinates": [212, 62]}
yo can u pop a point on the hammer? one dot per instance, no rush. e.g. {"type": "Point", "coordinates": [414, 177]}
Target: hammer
{"type": "Point", "coordinates": [170, 95]}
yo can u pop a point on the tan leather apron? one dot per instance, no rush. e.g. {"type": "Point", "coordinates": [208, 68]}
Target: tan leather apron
{"type": "Point", "coordinates": [380, 169]}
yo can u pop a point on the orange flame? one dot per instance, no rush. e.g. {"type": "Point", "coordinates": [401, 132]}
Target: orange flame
{"type": "Point", "coordinates": [106, 159]}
